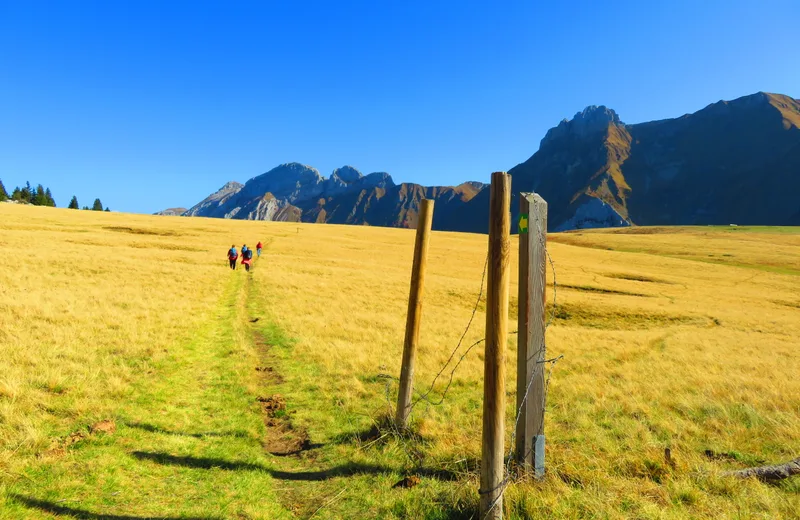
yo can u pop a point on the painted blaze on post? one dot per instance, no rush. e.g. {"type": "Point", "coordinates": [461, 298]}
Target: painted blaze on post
{"type": "Point", "coordinates": [523, 223]}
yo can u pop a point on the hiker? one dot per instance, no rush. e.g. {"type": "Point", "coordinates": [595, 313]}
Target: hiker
{"type": "Point", "coordinates": [258, 249]}
{"type": "Point", "coordinates": [233, 255]}
{"type": "Point", "coordinates": [247, 257]}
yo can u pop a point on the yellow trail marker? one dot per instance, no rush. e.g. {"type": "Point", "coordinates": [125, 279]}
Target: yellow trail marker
{"type": "Point", "coordinates": [523, 223]}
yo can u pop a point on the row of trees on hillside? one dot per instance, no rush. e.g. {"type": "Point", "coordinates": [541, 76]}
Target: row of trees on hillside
{"type": "Point", "coordinates": [97, 206]}
{"type": "Point", "coordinates": [38, 196]}
{"type": "Point", "coordinates": [41, 196]}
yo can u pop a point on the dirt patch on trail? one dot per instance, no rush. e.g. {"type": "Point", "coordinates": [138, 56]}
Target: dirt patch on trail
{"type": "Point", "coordinates": [282, 438]}
{"type": "Point", "coordinates": [270, 374]}
{"type": "Point", "coordinates": [273, 405]}
{"type": "Point", "coordinates": [107, 427]}
{"type": "Point", "coordinates": [59, 446]}
{"type": "Point", "coordinates": [268, 360]}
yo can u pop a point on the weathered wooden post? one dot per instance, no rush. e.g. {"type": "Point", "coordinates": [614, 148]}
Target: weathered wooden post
{"type": "Point", "coordinates": [530, 340]}
{"type": "Point", "coordinates": [414, 314]}
{"type": "Point", "coordinates": [494, 375]}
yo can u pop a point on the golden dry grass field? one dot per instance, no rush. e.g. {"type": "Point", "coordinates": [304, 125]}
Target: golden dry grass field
{"type": "Point", "coordinates": [252, 395]}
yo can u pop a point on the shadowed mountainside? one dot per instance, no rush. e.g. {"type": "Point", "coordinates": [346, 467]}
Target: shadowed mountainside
{"type": "Point", "coordinates": [732, 162]}
{"type": "Point", "coordinates": [294, 192]}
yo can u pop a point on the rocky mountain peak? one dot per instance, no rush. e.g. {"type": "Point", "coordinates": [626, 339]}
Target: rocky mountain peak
{"type": "Point", "coordinates": [590, 120]}
{"type": "Point", "coordinates": [287, 181]}
{"type": "Point", "coordinates": [231, 186]}
{"type": "Point", "coordinates": [381, 179]}
{"type": "Point", "coordinates": [289, 172]}
{"type": "Point", "coordinates": [348, 174]}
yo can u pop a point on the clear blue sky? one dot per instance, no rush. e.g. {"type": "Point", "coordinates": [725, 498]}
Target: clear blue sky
{"type": "Point", "coordinates": [155, 104]}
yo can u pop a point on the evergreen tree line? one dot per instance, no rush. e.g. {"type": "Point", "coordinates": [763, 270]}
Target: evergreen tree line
{"type": "Point", "coordinates": [41, 196]}
{"type": "Point", "coordinates": [97, 206]}
{"type": "Point", "coordinates": [38, 196]}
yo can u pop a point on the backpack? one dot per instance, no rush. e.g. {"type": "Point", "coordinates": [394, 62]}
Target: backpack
{"type": "Point", "coordinates": [248, 254]}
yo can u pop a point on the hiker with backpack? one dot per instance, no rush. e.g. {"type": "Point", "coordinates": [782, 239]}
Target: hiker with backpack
{"type": "Point", "coordinates": [247, 257]}
{"type": "Point", "coordinates": [233, 255]}
{"type": "Point", "coordinates": [258, 249]}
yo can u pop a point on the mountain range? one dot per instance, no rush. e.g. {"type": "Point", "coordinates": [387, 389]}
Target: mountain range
{"type": "Point", "coordinates": [731, 162]}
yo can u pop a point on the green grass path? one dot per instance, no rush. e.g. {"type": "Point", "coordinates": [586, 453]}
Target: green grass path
{"type": "Point", "coordinates": [189, 444]}
{"type": "Point", "coordinates": [191, 441]}
{"type": "Point", "coordinates": [345, 475]}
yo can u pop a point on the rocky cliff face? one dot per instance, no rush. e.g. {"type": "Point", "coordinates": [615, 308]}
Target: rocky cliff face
{"type": "Point", "coordinates": [210, 206]}
{"type": "Point", "coordinates": [172, 212]}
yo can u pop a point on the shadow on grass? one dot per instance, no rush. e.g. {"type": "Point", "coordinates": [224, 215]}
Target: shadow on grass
{"type": "Point", "coordinates": [59, 510]}
{"type": "Point", "coordinates": [305, 446]}
{"type": "Point", "coordinates": [381, 432]}
{"type": "Point", "coordinates": [344, 470]}
{"type": "Point", "coordinates": [450, 513]}
{"type": "Point", "coordinates": [157, 429]}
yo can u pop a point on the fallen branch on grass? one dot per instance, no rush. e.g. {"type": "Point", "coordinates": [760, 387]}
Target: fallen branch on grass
{"type": "Point", "coordinates": [768, 473]}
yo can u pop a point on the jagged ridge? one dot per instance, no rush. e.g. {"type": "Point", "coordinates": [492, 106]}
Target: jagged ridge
{"type": "Point", "coordinates": [296, 192]}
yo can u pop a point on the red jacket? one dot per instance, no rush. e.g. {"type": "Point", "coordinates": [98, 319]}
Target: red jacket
{"type": "Point", "coordinates": [258, 246]}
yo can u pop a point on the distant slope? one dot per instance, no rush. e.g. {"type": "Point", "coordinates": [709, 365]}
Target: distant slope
{"type": "Point", "coordinates": [295, 192]}
{"type": "Point", "coordinates": [395, 206]}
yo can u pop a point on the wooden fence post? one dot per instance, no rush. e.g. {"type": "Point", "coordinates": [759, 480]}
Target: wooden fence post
{"type": "Point", "coordinates": [414, 314]}
{"type": "Point", "coordinates": [530, 340]}
{"type": "Point", "coordinates": [494, 375]}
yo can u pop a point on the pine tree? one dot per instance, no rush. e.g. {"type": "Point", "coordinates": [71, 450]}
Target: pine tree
{"type": "Point", "coordinates": [97, 206]}
{"type": "Point", "coordinates": [38, 197]}
{"type": "Point", "coordinates": [73, 204]}
{"type": "Point", "coordinates": [86, 208]}
{"type": "Point", "coordinates": [50, 201]}
{"type": "Point", "coordinates": [3, 192]}
{"type": "Point", "coordinates": [17, 195]}
{"type": "Point", "coordinates": [26, 193]}
{"type": "Point", "coordinates": [108, 209]}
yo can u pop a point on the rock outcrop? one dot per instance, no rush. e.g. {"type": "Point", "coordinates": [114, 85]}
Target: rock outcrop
{"type": "Point", "coordinates": [172, 212]}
